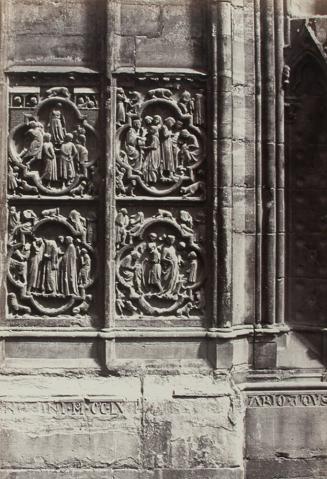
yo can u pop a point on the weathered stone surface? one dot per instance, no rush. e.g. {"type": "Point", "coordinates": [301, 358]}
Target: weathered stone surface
{"type": "Point", "coordinates": [152, 390]}
{"type": "Point", "coordinates": [198, 427]}
{"type": "Point", "coordinates": [34, 29]}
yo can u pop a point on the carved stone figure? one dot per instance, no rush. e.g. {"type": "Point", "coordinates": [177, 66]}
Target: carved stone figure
{"type": "Point", "coordinates": [34, 139]}
{"type": "Point", "coordinates": [168, 158]}
{"type": "Point", "coordinates": [15, 306]}
{"type": "Point", "coordinates": [35, 260]}
{"type": "Point", "coordinates": [154, 259]}
{"type": "Point", "coordinates": [82, 154]}
{"type": "Point", "coordinates": [121, 222]}
{"type": "Point", "coordinates": [186, 103]}
{"type": "Point", "coordinates": [17, 101]}
{"type": "Point", "coordinates": [152, 158]}
{"type": "Point", "coordinates": [135, 142]}
{"type": "Point", "coordinates": [192, 267]}
{"type": "Point", "coordinates": [135, 104]}
{"type": "Point", "coordinates": [68, 153]}
{"type": "Point", "coordinates": [170, 265]}
{"type": "Point", "coordinates": [13, 219]}
{"type": "Point", "coordinates": [91, 229]}
{"type": "Point", "coordinates": [122, 101]}
{"type": "Point", "coordinates": [85, 270]}
{"type": "Point", "coordinates": [13, 180]}
{"type": "Point", "coordinates": [69, 269]}
{"type": "Point", "coordinates": [58, 91]}
{"type": "Point", "coordinates": [57, 124]}
{"type": "Point", "coordinates": [189, 149]}
{"type": "Point", "coordinates": [49, 159]}
{"type": "Point", "coordinates": [19, 263]}
{"type": "Point", "coordinates": [160, 93]}
{"type": "Point", "coordinates": [79, 223]}
{"type": "Point", "coordinates": [199, 117]}
{"type": "Point", "coordinates": [191, 190]}
{"type": "Point", "coordinates": [32, 101]}
{"type": "Point", "coordinates": [84, 306]}
{"type": "Point", "coordinates": [48, 279]}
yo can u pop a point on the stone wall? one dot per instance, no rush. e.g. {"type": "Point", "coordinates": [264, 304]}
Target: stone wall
{"type": "Point", "coordinates": [152, 324]}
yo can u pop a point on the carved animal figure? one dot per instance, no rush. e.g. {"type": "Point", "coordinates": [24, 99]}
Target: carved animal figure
{"type": "Point", "coordinates": [164, 214]}
{"type": "Point", "coordinates": [198, 187]}
{"type": "Point", "coordinates": [27, 188]}
{"type": "Point", "coordinates": [15, 306]}
{"type": "Point", "coordinates": [58, 91]}
{"type": "Point", "coordinates": [79, 190]}
{"type": "Point", "coordinates": [51, 212]}
{"type": "Point", "coordinates": [84, 306]}
{"type": "Point", "coordinates": [185, 310]}
{"type": "Point", "coordinates": [160, 93]}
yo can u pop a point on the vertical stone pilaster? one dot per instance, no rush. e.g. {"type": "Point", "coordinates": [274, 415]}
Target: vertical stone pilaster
{"type": "Point", "coordinates": [3, 154]}
{"type": "Point", "coordinates": [270, 269]}
{"type": "Point", "coordinates": [268, 163]}
{"type": "Point", "coordinates": [258, 155]}
{"type": "Point", "coordinates": [214, 147]}
{"type": "Point", "coordinates": [280, 157]}
{"type": "Point", "coordinates": [224, 97]}
{"type": "Point", "coordinates": [109, 293]}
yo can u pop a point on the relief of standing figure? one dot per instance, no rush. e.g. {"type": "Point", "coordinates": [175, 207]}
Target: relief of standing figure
{"type": "Point", "coordinates": [152, 158]}
{"type": "Point", "coordinates": [170, 264]}
{"type": "Point", "coordinates": [121, 100]}
{"type": "Point", "coordinates": [69, 269]}
{"type": "Point", "coordinates": [35, 261]}
{"type": "Point", "coordinates": [48, 279]}
{"type": "Point", "coordinates": [68, 153]}
{"type": "Point", "coordinates": [82, 154]}
{"type": "Point", "coordinates": [154, 260]}
{"type": "Point", "coordinates": [84, 272]}
{"type": "Point", "coordinates": [49, 158]}
{"type": "Point", "coordinates": [57, 124]}
{"type": "Point", "coordinates": [168, 160]}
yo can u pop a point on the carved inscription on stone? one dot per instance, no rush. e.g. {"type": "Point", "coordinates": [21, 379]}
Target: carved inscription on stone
{"type": "Point", "coordinates": [63, 408]}
{"type": "Point", "coordinates": [52, 145]}
{"type": "Point", "coordinates": [51, 261]}
{"type": "Point", "coordinates": [287, 399]}
{"type": "Point", "coordinates": [160, 263]}
{"type": "Point", "coordinates": [160, 143]}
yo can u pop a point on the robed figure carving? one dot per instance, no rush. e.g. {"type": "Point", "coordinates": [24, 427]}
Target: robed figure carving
{"type": "Point", "coordinates": [57, 124]}
{"type": "Point", "coordinates": [69, 269]}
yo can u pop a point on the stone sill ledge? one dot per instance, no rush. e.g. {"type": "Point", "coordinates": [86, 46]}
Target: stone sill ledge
{"type": "Point", "coordinates": [126, 333]}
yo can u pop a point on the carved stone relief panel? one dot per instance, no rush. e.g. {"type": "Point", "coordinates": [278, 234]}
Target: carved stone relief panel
{"type": "Point", "coordinates": [161, 159]}
{"type": "Point", "coordinates": [161, 140]}
{"type": "Point", "coordinates": [53, 144]}
{"type": "Point", "coordinates": [52, 263]}
{"type": "Point", "coordinates": [53, 186]}
{"type": "Point", "coordinates": [160, 263]}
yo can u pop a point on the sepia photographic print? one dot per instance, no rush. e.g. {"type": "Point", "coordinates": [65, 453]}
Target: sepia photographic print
{"type": "Point", "coordinates": [163, 239]}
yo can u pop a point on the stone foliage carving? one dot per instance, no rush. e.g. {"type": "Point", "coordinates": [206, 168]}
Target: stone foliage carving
{"type": "Point", "coordinates": [51, 263]}
{"type": "Point", "coordinates": [52, 146]}
{"type": "Point", "coordinates": [160, 143]}
{"type": "Point", "coordinates": [160, 264]}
